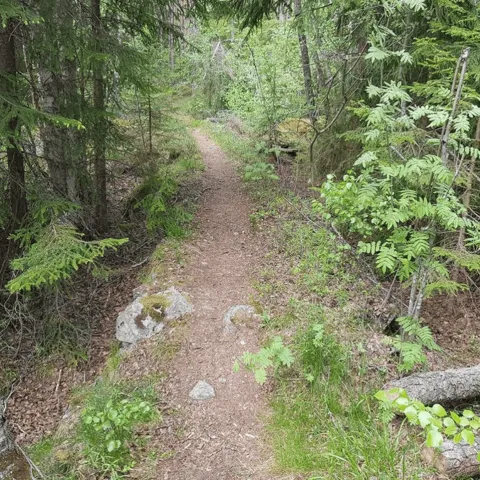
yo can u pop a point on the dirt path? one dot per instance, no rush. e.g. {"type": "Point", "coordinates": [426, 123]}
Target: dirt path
{"type": "Point", "coordinates": [222, 437]}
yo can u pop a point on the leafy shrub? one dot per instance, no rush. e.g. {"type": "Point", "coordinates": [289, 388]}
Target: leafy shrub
{"type": "Point", "coordinates": [259, 171]}
{"type": "Point", "coordinates": [322, 355]}
{"type": "Point", "coordinates": [435, 421]}
{"type": "Point", "coordinates": [108, 424]}
{"type": "Point", "coordinates": [272, 357]}
{"type": "Point", "coordinates": [411, 344]}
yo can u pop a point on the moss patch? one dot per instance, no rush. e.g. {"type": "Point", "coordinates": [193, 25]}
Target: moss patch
{"type": "Point", "coordinates": [155, 305]}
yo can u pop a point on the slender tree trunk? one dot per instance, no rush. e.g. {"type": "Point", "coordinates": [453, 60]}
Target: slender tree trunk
{"type": "Point", "coordinates": [75, 148]}
{"type": "Point", "coordinates": [15, 159]}
{"type": "Point", "coordinates": [305, 59]}
{"type": "Point", "coordinates": [150, 132]}
{"type": "Point", "coordinates": [462, 62]}
{"type": "Point", "coordinates": [467, 196]}
{"type": "Point", "coordinates": [100, 130]}
{"type": "Point", "coordinates": [52, 135]}
{"type": "Point", "coordinates": [171, 42]}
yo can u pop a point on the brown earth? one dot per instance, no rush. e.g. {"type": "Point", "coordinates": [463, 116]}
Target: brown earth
{"type": "Point", "coordinates": [221, 437]}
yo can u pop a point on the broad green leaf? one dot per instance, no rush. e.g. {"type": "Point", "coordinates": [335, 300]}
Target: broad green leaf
{"type": "Point", "coordinates": [439, 411]}
{"type": "Point", "coordinates": [411, 413]}
{"type": "Point", "coordinates": [455, 417]}
{"type": "Point", "coordinates": [424, 418]}
{"type": "Point", "coordinates": [468, 414]}
{"type": "Point", "coordinates": [434, 438]}
{"type": "Point", "coordinates": [464, 422]}
{"type": "Point", "coordinates": [450, 430]}
{"type": "Point", "coordinates": [475, 424]}
{"type": "Point", "coordinates": [381, 395]}
{"type": "Point", "coordinates": [468, 436]}
{"type": "Point", "coordinates": [448, 422]}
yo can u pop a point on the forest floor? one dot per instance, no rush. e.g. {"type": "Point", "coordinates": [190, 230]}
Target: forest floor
{"type": "Point", "coordinates": [252, 245]}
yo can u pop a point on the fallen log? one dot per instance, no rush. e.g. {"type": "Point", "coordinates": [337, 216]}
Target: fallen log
{"type": "Point", "coordinates": [444, 386]}
{"type": "Point", "coordinates": [454, 459]}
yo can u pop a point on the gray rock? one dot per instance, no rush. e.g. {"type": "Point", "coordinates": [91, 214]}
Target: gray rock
{"type": "Point", "coordinates": [178, 306]}
{"type": "Point", "coordinates": [238, 314]}
{"type": "Point", "coordinates": [133, 324]}
{"type": "Point", "coordinates": [140, 291]}
{"type": "Point", "coordinates": [202, 391]}
{"type": "Point", "coordinates": [137, 322]}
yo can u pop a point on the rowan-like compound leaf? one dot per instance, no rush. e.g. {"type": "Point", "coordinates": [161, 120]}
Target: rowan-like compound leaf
{"type": "Point", "coordinates": [260, 376]}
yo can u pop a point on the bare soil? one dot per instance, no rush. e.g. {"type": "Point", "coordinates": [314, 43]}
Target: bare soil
{"type": "Point", "coordinates": [220, 438]}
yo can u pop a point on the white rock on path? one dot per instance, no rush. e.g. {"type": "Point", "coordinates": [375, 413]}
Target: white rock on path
{"type": "Point", "coordinates": [202, 391]}
{"type": "Point", "coordinates": [238, 314]}
{"type": "Point", "coordinates": [135, 324]}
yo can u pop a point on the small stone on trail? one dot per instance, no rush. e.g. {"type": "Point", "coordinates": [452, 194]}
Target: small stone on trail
{"type": "Point", "coordinates": [202, 391]}
{"type": "Point", "coordinates": [238, 315]}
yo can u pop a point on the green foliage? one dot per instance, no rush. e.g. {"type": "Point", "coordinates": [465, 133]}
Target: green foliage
{"type": "Point", "coordinates": [435, 421]}
{"type": "Point", "coordinates": [319, 255]}
{"type": "Point", "coordinates": [272, 357]}
{"type": "Point", "coordinates": [252, 77]}
{"type": "Point", "coordinates": [322, 357]}
{"type": "Point", "coordinates": [259, 171]}
{"type": "Point", "coordinates": [401, 197]}
{"type": "Point", "coordinates": [107, 430]}
{"type": "Point", "coordinates": [412, 342]}
{"type": "Point", "coordinates": [57, 254]}
{"type": "Point", "coordinates": [101, 441]}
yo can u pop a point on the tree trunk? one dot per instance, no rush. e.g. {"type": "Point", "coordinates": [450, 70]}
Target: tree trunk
{"type": "Point", "coordinates": [150, 129]}
{"type": "Point", "coordinates": [171, 40]}
{"type": "Point", "coordinates": [53, 135]}
{"type": "Point", "coordinates": [99, 133]}
{"type": "Point", "coordinates": [454, 460]}
{"type": "Point", "coordinates": [78, 179]}
{"type": "Point", "coordinates": [444, 387]}
{"type": "Point", "coordinates": [305, 59]}
{"type": "Point", "coordinates": [15, 159]}
{"type": "Point", "coordinates": [467, 195]}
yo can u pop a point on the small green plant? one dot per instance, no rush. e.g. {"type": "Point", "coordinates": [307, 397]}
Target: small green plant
{"type": "Point", "coordinates": [271, 357]}
{"type": "Point", "coordinates": [321, 354]}
{"type": "Point", "coordinates": [259, 172]}
{"type": "Point", "coordinates": [436, 422]}
{"type": "Point", "coordinates": [108, 429]}
{"type": "Point", "coordinates": [412, 342]}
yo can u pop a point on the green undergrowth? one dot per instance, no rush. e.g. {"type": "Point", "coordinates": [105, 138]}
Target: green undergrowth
{"type": "Point", "coordinates": [107, 432]}
{"type": "Point", "coordinates": [103, 431]}
{"type": "Point", "coordinates": [325, 422]}
{"type": "Point", "coordinates": [163, 196]}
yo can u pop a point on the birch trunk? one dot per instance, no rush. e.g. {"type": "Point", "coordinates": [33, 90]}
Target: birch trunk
{"type": "Point", "coordinates": [100, 130]}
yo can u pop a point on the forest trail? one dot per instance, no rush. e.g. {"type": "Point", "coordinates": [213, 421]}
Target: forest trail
{"type": "Point", "coordinates": [222, 437]}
